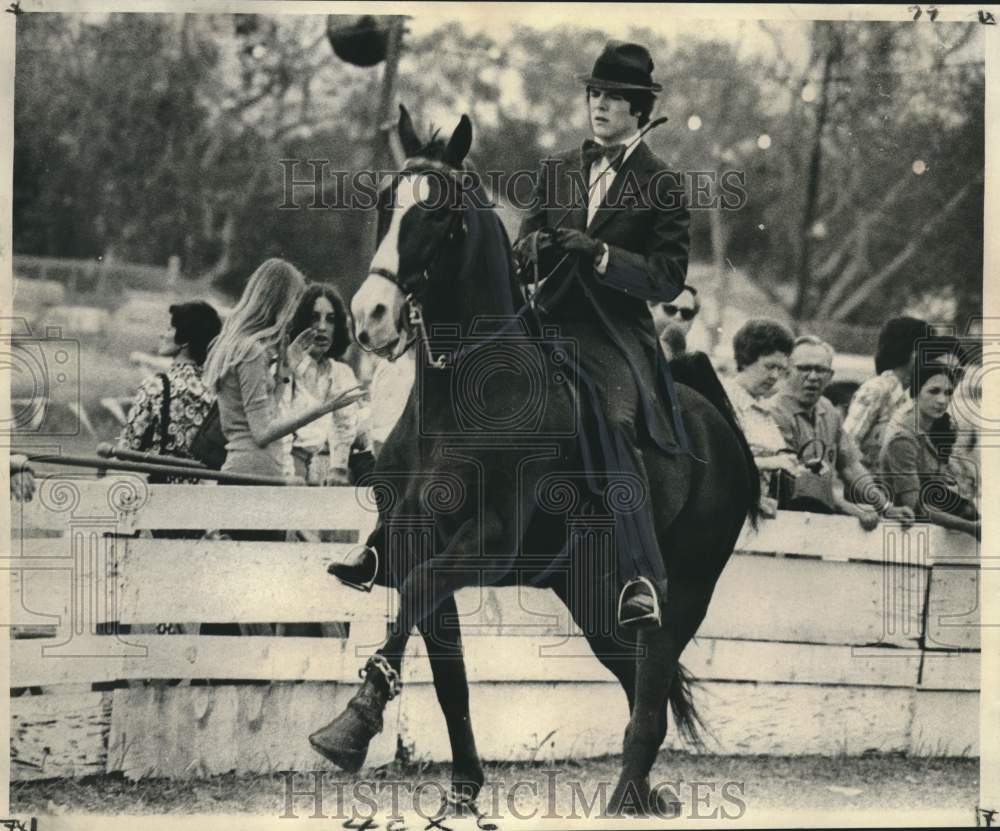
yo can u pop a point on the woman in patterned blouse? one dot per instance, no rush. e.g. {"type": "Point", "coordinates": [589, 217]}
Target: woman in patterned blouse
{"type": "Point", "coordinates": [192, 328]}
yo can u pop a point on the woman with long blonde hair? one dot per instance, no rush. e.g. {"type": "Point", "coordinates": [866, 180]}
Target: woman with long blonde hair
{"type": "Point", "coordinates": [239, 370]}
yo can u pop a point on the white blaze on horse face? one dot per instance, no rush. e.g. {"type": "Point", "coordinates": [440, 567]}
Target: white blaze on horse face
{"type": "Point", "coordinates": [377, 305]}
{"type": "Point", "coordinates": [376, 308]}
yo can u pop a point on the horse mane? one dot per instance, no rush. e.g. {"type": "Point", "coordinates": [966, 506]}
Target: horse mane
{"type": "Point", "coordinates": [487, 255]}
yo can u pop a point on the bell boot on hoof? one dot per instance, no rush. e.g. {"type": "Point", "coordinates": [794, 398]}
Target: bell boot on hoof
{"type": "Point", "coordinates": [639, 604]}
{"type": "Point", "coordinates": [358, 569]}
{"type": "Point", "coordinates": [344, 741]}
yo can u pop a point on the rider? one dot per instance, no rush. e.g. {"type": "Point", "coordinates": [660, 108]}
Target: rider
{"type": "Point", "coordinates": [592, 268]}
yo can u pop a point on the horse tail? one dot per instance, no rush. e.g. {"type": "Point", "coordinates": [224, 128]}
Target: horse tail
{"type": "Point", "coordinates": [695, 370]}
{"type": "Point", "coordinates": [753, 511]}
{"type": "Point", "coordinates": [687, 720]}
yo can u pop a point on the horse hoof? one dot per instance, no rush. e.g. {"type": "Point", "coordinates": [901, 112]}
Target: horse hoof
{"type": "Point", "coordinates": [632, 800]}
{"type": "Point", "coordinates": [460, 802]}
{"type": "Point", "coordinates": [665, 808]}
{"type": "Point", "coordinates": [350, 759]}
{"type": "Point", "coordinates": [344, 741]}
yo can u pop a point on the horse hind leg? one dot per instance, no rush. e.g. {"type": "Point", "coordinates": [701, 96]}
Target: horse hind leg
{"type": "Point", "coordinates": [656, 668]}
{"type": "Point", "coordinates": [443, 642]}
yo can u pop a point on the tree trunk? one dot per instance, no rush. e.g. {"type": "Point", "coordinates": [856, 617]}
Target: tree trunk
{"type": "Point", "coordinates": [384, 157]}
{"type": "Point", "coordinates": [801, 307]}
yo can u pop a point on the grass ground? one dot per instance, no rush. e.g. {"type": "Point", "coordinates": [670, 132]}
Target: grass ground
{"type": "Point", "coordinates": [887, 783]}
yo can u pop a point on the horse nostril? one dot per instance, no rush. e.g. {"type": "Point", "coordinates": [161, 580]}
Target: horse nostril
{"type": "Point", "coordinates": [378, 312]}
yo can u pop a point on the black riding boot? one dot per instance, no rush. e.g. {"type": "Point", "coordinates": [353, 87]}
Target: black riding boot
{"type": "Point", "coordinates": [639, 604]}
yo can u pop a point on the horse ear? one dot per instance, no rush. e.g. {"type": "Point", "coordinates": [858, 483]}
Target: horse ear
{"type": "Point", "coordinates": [407, 135]}
{"type": "Point", "coordinates": [459, 143]}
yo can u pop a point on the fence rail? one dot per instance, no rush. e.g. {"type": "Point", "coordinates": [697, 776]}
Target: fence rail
{"type": "Point", "coordinates": [821, 638]}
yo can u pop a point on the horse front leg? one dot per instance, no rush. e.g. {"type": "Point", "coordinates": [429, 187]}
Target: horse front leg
{"type": "Point", "coordinates": [344, 741]}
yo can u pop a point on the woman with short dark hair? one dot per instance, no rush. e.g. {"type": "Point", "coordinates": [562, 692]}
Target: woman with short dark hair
{"type": "Point", "coordinates": [762, 348]}
{"type": "Point", "coordinates": [170, 406]}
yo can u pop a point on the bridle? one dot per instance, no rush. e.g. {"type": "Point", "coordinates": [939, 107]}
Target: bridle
{"type": "Point", "coordinates": [414, 286]}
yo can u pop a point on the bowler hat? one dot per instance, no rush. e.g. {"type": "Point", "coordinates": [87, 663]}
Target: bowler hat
{"type": "Point", "coordinates": [623, 66]}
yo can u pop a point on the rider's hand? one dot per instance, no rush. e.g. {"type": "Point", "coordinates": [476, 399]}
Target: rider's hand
{"type": "Point", "coordinates": [577, 242]}
{"type": "Point", "coordinates": [524, 248]}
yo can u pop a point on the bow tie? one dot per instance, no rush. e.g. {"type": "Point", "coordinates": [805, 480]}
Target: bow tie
{"type": "Point", "coordinates": [593, 152]}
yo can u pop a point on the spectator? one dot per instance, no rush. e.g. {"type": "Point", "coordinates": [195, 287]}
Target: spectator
{"type": "Point", "coordinates": [388, 395]}
{"type": "Point", "coordinates": [170, 406]}
{"type": "Point", "coordinates": [916, 451]}
{"type": "Point", "coordinates": [168, 409]}
{"type": "Point", "coordinates": [807, 419]}
{"type": "Point", "coordinates": [239, 369]}
{"type": "Point", "coordinates": [669, 334]}
{"type": "Point", "coordinates": [965, 413]}
{"type": "Point", "coordinates": [680, 312]}
{"type": "Point", "coordinates": [320, 449]}
{"type": "Point", "coordinates": [878, 398]}
{"type": "Point", "coordinates": [761, 349]}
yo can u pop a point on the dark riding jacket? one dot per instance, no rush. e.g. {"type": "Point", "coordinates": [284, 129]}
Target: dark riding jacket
{"type": "Point", "coordinates": [644, 221]}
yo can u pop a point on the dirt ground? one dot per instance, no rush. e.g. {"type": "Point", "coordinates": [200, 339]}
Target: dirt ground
{"type": "Point", "coordinates": [710, 787]}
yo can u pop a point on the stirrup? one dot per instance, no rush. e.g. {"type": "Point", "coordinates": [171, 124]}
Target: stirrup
{"type": "Point", "coordinates": [650, 618]}
{"type": "Point", "coordinates": [362, 585]}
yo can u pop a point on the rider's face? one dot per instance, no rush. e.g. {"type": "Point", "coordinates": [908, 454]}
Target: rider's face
{"type": "Point", "coordinates": [611, 119]}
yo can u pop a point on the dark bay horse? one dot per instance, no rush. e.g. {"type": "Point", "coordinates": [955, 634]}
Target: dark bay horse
{"type": "Point", "coordinates": [478, 480]}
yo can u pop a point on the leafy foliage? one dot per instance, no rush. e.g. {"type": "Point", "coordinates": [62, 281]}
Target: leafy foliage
{"type": "Point", "coordinates": [146, 136]}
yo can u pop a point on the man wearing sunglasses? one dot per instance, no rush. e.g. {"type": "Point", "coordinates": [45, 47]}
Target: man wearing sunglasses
{"type": "Point", "coordinates": [679, 312]}
{"type": "Point", "coordinates": [809, 421]}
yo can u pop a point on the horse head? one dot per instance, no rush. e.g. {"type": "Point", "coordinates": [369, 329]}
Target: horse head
{"type": "Point", "coordinates": [420, 211]}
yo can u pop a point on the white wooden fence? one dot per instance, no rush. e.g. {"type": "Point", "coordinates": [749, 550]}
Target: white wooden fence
{"type": "Point", "coordinates": [820, 638]}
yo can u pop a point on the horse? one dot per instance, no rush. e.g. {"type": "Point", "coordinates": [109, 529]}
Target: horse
{"type": "Point", "coordinates": [488, 445]}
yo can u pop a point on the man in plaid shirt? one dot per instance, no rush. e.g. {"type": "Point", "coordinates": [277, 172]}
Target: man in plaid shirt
{"type": "Point", "coordinates": [878, 398]}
